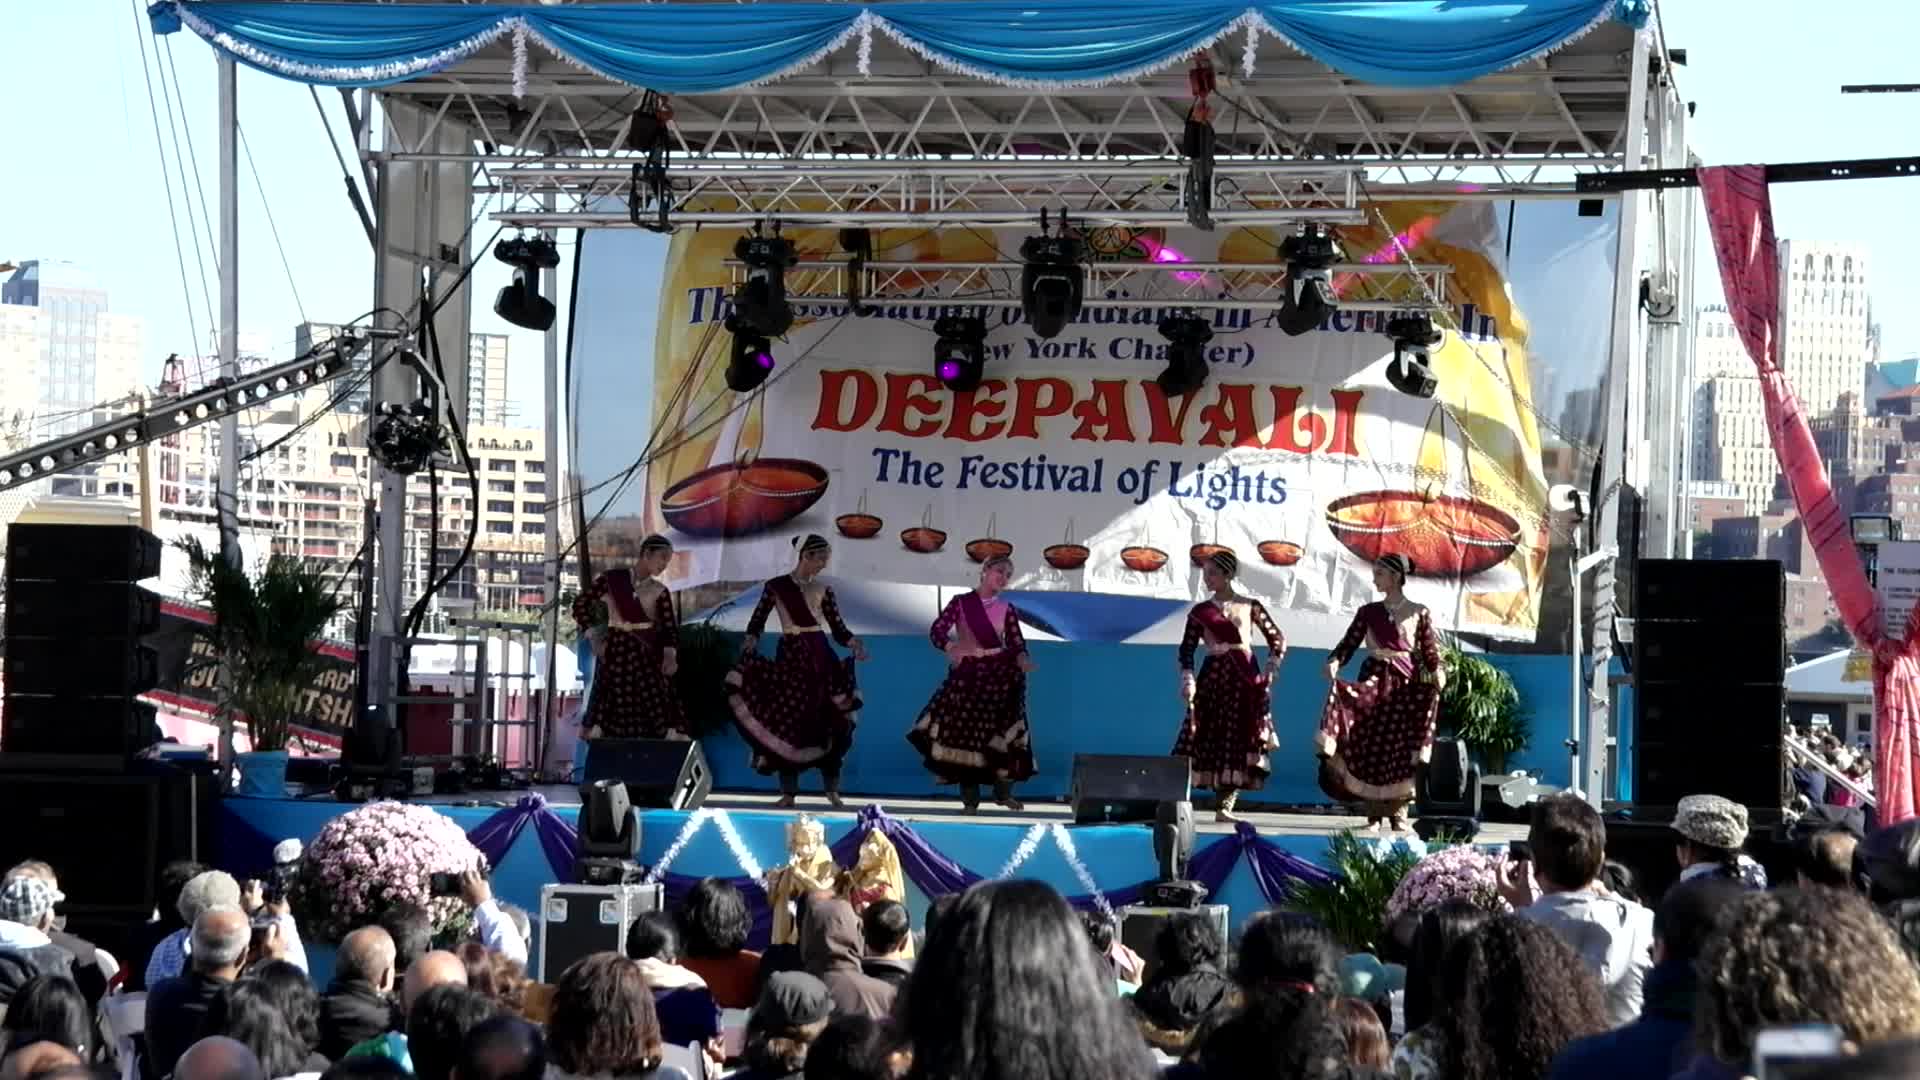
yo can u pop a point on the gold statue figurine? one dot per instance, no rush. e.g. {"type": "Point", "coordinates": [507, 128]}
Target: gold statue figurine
{"type": "Point", "coordinates": [809, 867]}
{"type": "Point", "coordinates": [876, 876]}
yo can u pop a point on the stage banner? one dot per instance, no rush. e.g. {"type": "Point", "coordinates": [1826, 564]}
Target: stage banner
{"type": "Point", "coordinates": [1296, 453]}
{"type": "Point", "coordinates": [189, 668]}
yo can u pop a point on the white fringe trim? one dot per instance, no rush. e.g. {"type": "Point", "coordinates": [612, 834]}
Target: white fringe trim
{"type": "Point", "coordinates": [865, 23]}
{"type": "Point", "coordinates": [1141, 70]}
{"type": "Point", "coordinates": [839, 42]}
{"type": "Point", "coordinates": [1251, 21]}
{"type": "Point", "coordinates": [1028, 845]}
{"type": "Point", "coordinates": [692, 825]}
{"type": "Point", "coordinates": [1063, 840]}
{"type": "Point", "coordinates": [519, 58]}
{"type": "Point", "coordinates": [1608, 10]}
{"type": "Point", "coordinates": [366, 73]}
{"type": "Point", "coordinates": [749, 866]}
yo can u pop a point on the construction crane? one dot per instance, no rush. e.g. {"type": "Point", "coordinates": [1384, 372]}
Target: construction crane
{"type": "Point", "coordinates": [1881, 88]}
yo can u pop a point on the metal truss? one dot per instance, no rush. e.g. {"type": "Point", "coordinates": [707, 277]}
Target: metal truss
{"type": "Point", "coordinates": [1112, 284]}
{"type": "Point", "coordinates": [905, 139]}
{"type": "Point", "coordinates": [163, 418]}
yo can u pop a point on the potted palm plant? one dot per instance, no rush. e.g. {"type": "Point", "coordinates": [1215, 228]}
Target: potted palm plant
{"type": "Point", "coordinates": [265, 623]}
{"type": "Point", "coordinates": [1482, 707]}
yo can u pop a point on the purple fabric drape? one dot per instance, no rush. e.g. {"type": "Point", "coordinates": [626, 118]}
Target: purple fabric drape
{"type": "Point", "coordinates": [1274, 868]}
{"type": "Point", "coordinates": [558, 840]}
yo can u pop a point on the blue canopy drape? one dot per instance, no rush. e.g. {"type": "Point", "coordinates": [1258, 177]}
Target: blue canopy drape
{"type": "Point", "coordinates": [708, 48]}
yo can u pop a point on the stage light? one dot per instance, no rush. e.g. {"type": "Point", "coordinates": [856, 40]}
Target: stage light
{"type": "Point", "coordinates": [609, 831]}
{"type": "Point", "coordinates": [1309, 297]}
{"type": "Point", "coordinates": [960, 353]}
{"type": "Point", "coordinates": [1053, 283]}
{"type": "Point", "coordinates": [750, 360]}
{"type": "Point", "coordinates": [1413, 334]}
{"type": "Point", "coordinates": [406, 438]}
{"type": "Point", "coordinates": [761, 301]}
{"type": "Point", "coordinates": [1187, 335]}
{"type": "Point", "coordinates": [521, 303]}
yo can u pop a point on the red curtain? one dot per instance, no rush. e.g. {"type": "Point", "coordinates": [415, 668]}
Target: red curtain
{"type": "Point", "coordinates": [1741, 218]}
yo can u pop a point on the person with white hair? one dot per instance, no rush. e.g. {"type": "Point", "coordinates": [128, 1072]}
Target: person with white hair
{"type": "Point", "coordinates": [214, 888]}
{"type": "Point", "coordinates": [177, 1007]}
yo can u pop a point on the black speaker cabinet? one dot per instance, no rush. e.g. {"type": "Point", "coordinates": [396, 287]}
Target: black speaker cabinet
{"type": "Point", "coordinates": [50, 725]}
{"type": "Point", "coordinates": [113, 609]}
{"type": "Point", "coordinates": [1449, 785]}
{"type": "Point", "coordinates": [81, 553]}
{"type": "Point", "coordinates": [66, 667]}
{"type": "Point", "coordinates": [106, 835]}
{"type": "Point", "coordinates": [660, 774]}
{"type": "Point", "coordinates": [1127, 787]}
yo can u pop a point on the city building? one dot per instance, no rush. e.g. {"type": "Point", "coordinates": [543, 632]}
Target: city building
{"type": "Point", "coordinates": [353, 391]}
{"type": "Point", "coordinates": [83, 356]}
{"type": "Point", "coordinates": [487, 404]}
{"type": "Point", "coordinates": [1854, 445]}
{"type": "Point", "coordinates": [1824, 317]}
{"type": "Point", "coordinates": [1709, 501]}
{"type": "Point", "coordinates": [1717, 350]}
{"type": "Point", "coordinates": [1739, 451]}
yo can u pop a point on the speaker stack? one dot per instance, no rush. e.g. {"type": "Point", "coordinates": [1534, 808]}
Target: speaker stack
{"type": "Point", "coordinates": [1709, 656]}
{"type": "Point", "coordinates": [75, 659]}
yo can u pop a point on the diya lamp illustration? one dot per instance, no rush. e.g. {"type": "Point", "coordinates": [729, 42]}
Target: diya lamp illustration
{"type": "Point", "coordinates": [1279, 552]}
{"type": "Point", "coordinates": [1447, 536]}
{"type": "Point", "coordinates": [989, 548]}
{"type": "Point", "coordinates": [1067, 555]}
{"type": "Point", "coordinates": [858, 525]}
{"type": "Point", "coordinates": [1198, 554]}
{"type": "Point", "coordinates": [924, 539]}
{"type": "Point", "coordinates": [744, 497]}
{"type": "Point", "coordinates": [1142, 559]}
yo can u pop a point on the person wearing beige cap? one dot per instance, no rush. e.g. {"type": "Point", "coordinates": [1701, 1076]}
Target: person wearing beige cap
{"type": "Point", "coordinates": [1708, 832]}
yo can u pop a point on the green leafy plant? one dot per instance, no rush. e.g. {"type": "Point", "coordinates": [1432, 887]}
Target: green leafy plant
{"type": "Point", "coordinates": [1353, 905]}
{"type": "Point", "coordinates": [1482, 707]}
{"type": "Point", "coordinates": [706, 654]}
{"type": "Point", "coordinates": [264, 627]}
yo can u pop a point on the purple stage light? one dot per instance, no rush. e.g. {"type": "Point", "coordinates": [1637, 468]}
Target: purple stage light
{"type": "Point", "coordinates": [949, 370]}
{"type": "Point", "coordinates": [765, 360]}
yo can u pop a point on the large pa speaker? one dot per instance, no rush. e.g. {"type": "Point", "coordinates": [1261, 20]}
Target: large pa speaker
{"type": "Point", "coordinates": [80, 668]}
{"type": "Point", "coordinates": [46, 552]}
{"type": "Point", "coordinates": [669, 774]}
{"type": "Point", "coordinates": [1709, 672]}
{"type": "Point", "coordinates": [1127, 787]}
{"type": "Point", "coordinates": [106, 835]}
{"type": "Point", "coordinates": [52, 725]}
{"type": "Point", "coordinates": [94, 609]}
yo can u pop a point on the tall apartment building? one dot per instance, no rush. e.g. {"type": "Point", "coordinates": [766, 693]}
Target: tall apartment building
{"type": "Point", "coordinates": [1824, 318]}
{"type": "Point", "coordinates": [1717, 351]}
{"type": "Point", "coordinates": [1739, 451]}
{"type": "Point", "coordinates": [487, 404]}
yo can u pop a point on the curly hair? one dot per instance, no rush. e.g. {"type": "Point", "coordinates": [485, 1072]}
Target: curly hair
{"type": "Point", "coordinates": [603, 1021]}
{"type": "Point", "coordinates": [1797, 956]}
{"type": "Point", "coordinates": [494, 976]}
{"type": "Point", "coordinates": [713, 919]}
{"type": "Point", "coordinates": [1188, 942]}
{"type": "Point", "coordinates": [1517, 996]}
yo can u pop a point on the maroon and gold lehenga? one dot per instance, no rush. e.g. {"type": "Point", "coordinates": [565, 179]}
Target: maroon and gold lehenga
{"type": "Point", "coordinates": [1228, 730]}
{"type": "Point", "coordinates": [797, 711]}
{"type": "Point", "coordinates": [631, 697]}
{"type": "Point", "coordinates": [974, 730]}
{"type": "Point", "coordinates": [1377, 730]}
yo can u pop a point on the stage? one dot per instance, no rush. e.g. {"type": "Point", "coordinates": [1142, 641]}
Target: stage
{"type": "Point", "coordinates": [740, 832]}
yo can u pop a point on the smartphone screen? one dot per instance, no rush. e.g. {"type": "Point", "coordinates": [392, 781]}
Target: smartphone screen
{"type": "Point", "coordinates": [1785, 1053]}
{"type": "Point", "coordinates": [1519, 851]}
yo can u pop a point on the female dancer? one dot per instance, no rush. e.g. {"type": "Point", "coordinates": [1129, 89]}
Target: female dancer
{"type": "Point", "coordinates": [1229, 725]}
{"type": "Point", "coordinates": [974, 731]}
{"type": "Point", "coordinates": [1377, 731]}
{"type": "Point", "coordinates": [634, 654]}
{"type": "Point", "coordinates": [797, 711]}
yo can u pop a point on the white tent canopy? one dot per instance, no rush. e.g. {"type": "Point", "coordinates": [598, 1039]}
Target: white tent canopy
{"type": "Point", "coordinates": [1824, 679]}
{"type": "Point", "coordinates": [433, 664]}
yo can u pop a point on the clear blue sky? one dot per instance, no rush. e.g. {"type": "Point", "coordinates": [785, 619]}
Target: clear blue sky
{"type": "Point", "coordinates": [83, 182]}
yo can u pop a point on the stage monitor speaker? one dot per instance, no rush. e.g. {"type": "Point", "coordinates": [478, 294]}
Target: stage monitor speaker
{"type": "Point", "coordinates": [1127, 787]}
{"type": "Point", "coordinates": [1140, 927]}
{"type": "Point", "coordinates": [47, 552]}
{"type": "Point", "coordinates": [86, 609]}
{"type": "Point", "coordinates": [660, 774]}
{"type": "Point", "coordinates": [1709, 668]}
{"type": "Point", "coordinates": [66, 725]}
{"type": "Point", "coordinates": [106, 835]}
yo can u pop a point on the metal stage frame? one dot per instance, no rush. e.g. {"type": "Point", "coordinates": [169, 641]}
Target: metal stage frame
{"type": "Point", "coordinates": [875, 135]}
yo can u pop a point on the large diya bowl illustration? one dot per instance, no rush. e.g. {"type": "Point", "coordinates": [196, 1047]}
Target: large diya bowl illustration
{"type": "Point", "coordinates": [1446, 536]}
{"type": "Point", "coordinates": [1280, 552]}
{"type": "Point", "coordinates": [1198, 554]}
{"type": "Point", "coordinates": [990, 546]}
{"type": "Point", "coordinates": [743, 498]}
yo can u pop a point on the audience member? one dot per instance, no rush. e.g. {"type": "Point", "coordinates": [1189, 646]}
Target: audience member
{"type": "Point", "coordinates": [1100, 932]}
{"type": "Point", "coordinates": [1438, 930]}
{"type": "Point", "coordinates": [1659, 1043]}
{"type": "Point", "coordinates": [887, 931]}
{"type": "Point", "coordinates": [26, 950]}
{"type": "Point", "coordinates": [177, 1007]}
{"type": "Point", "coordinates": [853, 1047]}
{"type": "Point", "coordinates": [51, 1008]}
{"type": "Point", "coordinates": [1613, 936]}
{"type": "Point", "coordinates": [1365, 1034]}
{"type": "Point", "coordinates": [435, 968]}
{"type": "Point", "coordinates": [1800, 956]}
{"type": "Point", "coordinates": [166, 920]}
{"type": "Point", "coordinates": [494, 975]}
{"type": "Point", "coordinates": [1364, 977]}
{"type": "Point", "coordinates": [1282, 1021]}
{"type": "Point", "coordinates": [410, 926]}
{"type": "Point", "coordinates": [1516, 995]}
{"type": "Point", "coordinates": [219, 1058]}
{"type": "Point", "coordinates": [359, 1004]}
{"type": "Point", "coordinates": [502, 1048]}
{"type": "Point", "coordinates": [91, 968]}
{"type": "Point", "coordinates": [681, 1000]}
{"type": "Point", "coordinates": [1007, 987]}
{"type": "Point", "coordinates": [831, 947]}
{"type": "Point", "coordinates": [1890, 858]}
{"type": "Point", "coordinates": [437, 1027]}
{"type": "Point", "coordinates": [791, 1014]}
{"type": "Point", "coordinates": [210, 889]}
{"type": "Point", "coordinates": [786, 957]}
{"type": "Point", "coordinates": [366, 1067]}
{"type": "Point", "coordinates": [245, 1011]}
{"type": "Point", "coordinates": [1708, 832]}
{"type": "Point", "coordinates": [714, 923]}
{"type": "Point", "coordinates": [41, 1061]}
{"type": "Point", "coordinates": [603, 1023]}
{"type": "Point", "coordinates": [1824, 857]}
{"type": "Point", "coordinates": [293, 995]}
{"type": "Point", "coordinates": [1187, 982]}
{"type": "Point", "coordinates": [493, 926]}
{"type": "Point", "coordinates": [936, 909]}
{"type": "Point", "coordinates": [1897, 1059]}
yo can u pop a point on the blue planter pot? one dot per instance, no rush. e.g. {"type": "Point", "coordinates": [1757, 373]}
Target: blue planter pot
{"type": "Point", "coordinates": [263, 774]}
